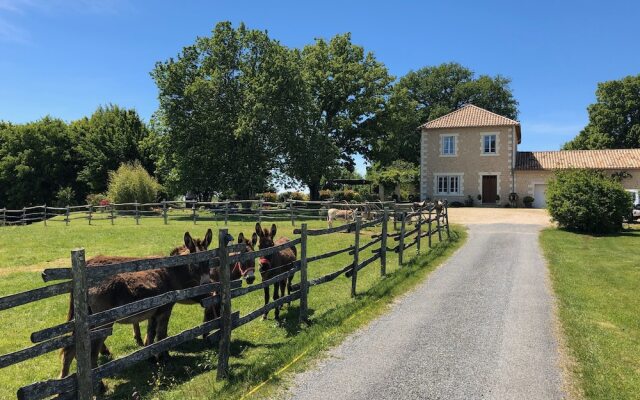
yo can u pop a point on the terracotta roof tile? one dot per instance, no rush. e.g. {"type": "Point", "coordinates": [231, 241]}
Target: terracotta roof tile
{"type": "Point", "coordinates": [565, 159]}
{"type": "Point", "coordinates": [471, 116]}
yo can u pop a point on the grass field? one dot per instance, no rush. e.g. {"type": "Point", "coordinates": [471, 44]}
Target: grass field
{"type": "Point", "coordinates": [259, 349]}
{"type": "Point", "coordinates": [597, 282]}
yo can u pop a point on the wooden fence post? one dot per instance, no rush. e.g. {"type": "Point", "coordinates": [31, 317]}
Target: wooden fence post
{"type": "Point", "coordinates": [164, 211]}
{"type": "Point", "coordinates": [113, 217]}
{"type": "Point", "coordinates": [383, 243]}
{"type": "Point", "coordinates": [226, 213]}
{"type": "Point", "coordinates": [81, 326]}
{"type": "Point", "coordinates": [66, 217]}
{"type": "Point", "coordinates": [24, 216]}
{"type": "Point", "coordinates": [430, 227]}
{"type": "Point", "coordinates": [401, 245]}
{"type": "Point", "coordinates": [395, 217]}
{"type": "Point", "coordinates": [419, 232]}
{"type": "Point", "coordinates": [260, 210]}
{"type": "Point", "coordinates": [446, 216]}
{"type": "Point", "coordinates": [90, 213]}
{"type": "Point", "coordinates": [225, 303]}
{"type": "Point", "coordinates": [195, 214]}
{"type": "Point", "coordinates": [45, 215]}
{"type": "Point", "coordinates": [293, 219]}
{"type": "Point", "coordinates": [356, 255]}
{"type": "Point", "coordinates": [438, 216]}
{"type": "Point", "coordinates": [303, 274]}
{"type": "Point", "coordinates": [4, 216]}
{"type": "Point", "coordinates": [137, 214]}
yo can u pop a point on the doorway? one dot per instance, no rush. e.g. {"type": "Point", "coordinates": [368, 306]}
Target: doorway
{"type": "Point", "coordinates": [489, 189]}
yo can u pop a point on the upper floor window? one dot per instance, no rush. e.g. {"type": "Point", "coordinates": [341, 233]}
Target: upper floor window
{"type": "Point", "coordinates": [489, 144]}
{"type": "Point", "coordinates": [448, 146]}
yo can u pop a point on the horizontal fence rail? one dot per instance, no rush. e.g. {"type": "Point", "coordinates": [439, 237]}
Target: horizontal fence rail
{"type": "Point", "coordinates": [427, 220]}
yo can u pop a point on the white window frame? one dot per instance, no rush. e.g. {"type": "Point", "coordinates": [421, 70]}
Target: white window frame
{"type": "Point", "coordinates": [483, 137]}
{"type": "Point", "coordinates": [454, 149]}
{"type": "Point", "coordinates": [447, 179]}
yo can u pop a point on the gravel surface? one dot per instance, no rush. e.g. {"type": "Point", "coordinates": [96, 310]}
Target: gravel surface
{"type": "Point", "coordinates": [480, 327]}
{"type": "Point", "coordinates": [499, 215]}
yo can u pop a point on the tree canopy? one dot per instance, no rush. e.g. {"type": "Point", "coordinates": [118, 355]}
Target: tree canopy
{"type": "Point", "coordinates": [429, 93]}
{"type": "Point", "coordinates": [614, 119]}
{"type": "Point", "coordinates": [225, 103]}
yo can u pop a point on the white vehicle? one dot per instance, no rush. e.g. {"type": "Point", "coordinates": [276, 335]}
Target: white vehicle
{"type": "Point", "coordinates": [635, 193]}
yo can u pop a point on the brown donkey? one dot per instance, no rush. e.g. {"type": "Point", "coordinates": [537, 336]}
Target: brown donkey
{"type": "Point", "coordinates": [128, 287]}
{"type": "Point", "coordinates": [239, 270]}
{"type": "Point", "coordinates": [275, 264]}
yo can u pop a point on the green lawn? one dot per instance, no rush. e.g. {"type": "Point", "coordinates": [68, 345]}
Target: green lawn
{"type": "Point", "coordinates": [597, 281]}
{"type": "Point", "coordinates": [259, 349]}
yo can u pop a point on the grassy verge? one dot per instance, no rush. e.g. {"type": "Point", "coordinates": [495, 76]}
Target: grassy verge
{"type": "Point", "coordinates": [259, 349]}
{"type": "Point", "coordinates": [597, 282]}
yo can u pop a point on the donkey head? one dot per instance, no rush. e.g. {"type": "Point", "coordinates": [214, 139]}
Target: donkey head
{"type": "Point", "coordinates": [266, 240]}
{"type": "Point", "coordinates": [247, 270]}
{"type": "Point", "coordinates": [200, 269]}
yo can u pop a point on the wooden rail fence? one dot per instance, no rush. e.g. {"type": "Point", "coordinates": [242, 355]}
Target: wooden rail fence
{"type": "Point", "coordinates": [85, 327]}
{"type": "Point", "coordinates": [294, 210]}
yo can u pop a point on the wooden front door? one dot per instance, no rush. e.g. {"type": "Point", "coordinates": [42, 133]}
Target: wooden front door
{"type": "Point", "coordinates": [489, 189]}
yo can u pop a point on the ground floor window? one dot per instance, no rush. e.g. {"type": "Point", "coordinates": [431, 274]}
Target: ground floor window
{"type": "Point", "coordinates": [448, 184]}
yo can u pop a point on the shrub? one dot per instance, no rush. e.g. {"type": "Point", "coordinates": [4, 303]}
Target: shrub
{"type": "Point", "coordinates": [587, 201]}
{"type": "Point", "coordinates": [132, 183]}
{"type": "Point", "coordinates": [456, 204]}
{"type": "Point", "coordinates": [269, 197]}
{"type": "Point", "coordinates": [347, 195]}
{"type": "Point", "coordinates": [65, 196]}
{"type": "Point", "coordinates": [325, 194]}
{"type": "Point", "coordinates": [527, 199]}
{"type": "Point", "coordinates": [97, 199]}
{"type": "Point", "coordinates": [299, 196]}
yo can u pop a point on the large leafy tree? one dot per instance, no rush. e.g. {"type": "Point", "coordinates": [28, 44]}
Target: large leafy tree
{"type": "Point", "coordinates": [614, 119]}
{"type": "Point", "coordinates": [345, 87]}
{"type": "Point", "coordinates": [109, 137]}
{"type": "Point", "coordinates": [429, 93]}
{"type": "Point", "coordinates": [36, 161]}
{"type": "Point", "coordinates": [225, 103]}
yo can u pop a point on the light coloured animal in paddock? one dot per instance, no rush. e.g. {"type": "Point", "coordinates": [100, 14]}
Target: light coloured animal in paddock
{"type": "Point", "coordinates": [335, 213]}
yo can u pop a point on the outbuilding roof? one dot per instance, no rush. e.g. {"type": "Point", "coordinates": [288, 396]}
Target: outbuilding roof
{"type": "Point", "coordinates": [566, 159]}
{"type": "Point", "coordinates": [470, 116]}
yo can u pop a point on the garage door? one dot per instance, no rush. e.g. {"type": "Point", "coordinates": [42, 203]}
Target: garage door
{"type": "Point", "coordinates": [539, 196]}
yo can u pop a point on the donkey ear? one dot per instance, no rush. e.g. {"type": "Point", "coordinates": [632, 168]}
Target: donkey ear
{"type": "Point", "coordinates": [241, 238]}
{"type": "Point", "coordinates": [259, 229]}
{"type": "Point", "coordinates": [188, 242]}
{"type": "Point", "coordinates": [274, 229]}
{"type": "Point", "coordinates": [208, 238]}
{"type": "Point", "coordinates": [254, 239]}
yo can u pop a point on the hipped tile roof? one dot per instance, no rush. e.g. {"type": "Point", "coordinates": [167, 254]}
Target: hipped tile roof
{"type": "Point", "coordinates": [566, 159]}
{"type": "Point", "coordinates": [471, 116]}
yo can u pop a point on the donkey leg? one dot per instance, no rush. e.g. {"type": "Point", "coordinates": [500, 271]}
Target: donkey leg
{"type": "Point", "coordinates": [137, 335]}
{"type": "Point", "coordinates": [104, 350]}
{"type": "Point", "coordinates": [209, 315]}
{"type": "Point", "coordinates": [266, 301]}
{"type": "Point", "coordinates": [67, 354]}
{"type": "Point", "coordinates": [151, 331]}
{"type": "Point", "coordinates": [96, 348]}
{"type": "Point", "coordinates": [276, 296]}
{"type": "Point", "coordinates": [162, 321]}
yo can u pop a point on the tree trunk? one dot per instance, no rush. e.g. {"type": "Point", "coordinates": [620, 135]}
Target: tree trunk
{"type": "Point", "coordinates": [314, 190]}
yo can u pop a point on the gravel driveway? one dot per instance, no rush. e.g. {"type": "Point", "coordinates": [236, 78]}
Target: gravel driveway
{"type": "Point", "coordinates": [480, 327]}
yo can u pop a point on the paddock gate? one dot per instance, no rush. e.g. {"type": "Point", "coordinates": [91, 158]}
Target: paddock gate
{"type": "Point", "coordinates": [77, 280]}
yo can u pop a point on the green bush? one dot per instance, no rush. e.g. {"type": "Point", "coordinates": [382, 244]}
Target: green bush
{"type": "Point", "coordinates": [97, 199]}
{"type": "Point", "coordinates": [347, 195]}
{"type": "Point", "coordinates": [132, 183]}
{"type": "Point", "coordinates": [587, 201]}
{"type": "Point", "coordinates": [65, 197]}
{"type": "Point", "coordinates": [325, 194]}
{"type": "Point", "coordinates": [269, 197]}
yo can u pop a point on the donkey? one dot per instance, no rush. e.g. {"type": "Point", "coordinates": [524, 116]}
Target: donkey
{"type": "Point", "coordinates": [244, 271]}
{"type": "Point", "coordinates": [335, 213]}
{"type": "Point", "coordinates": [128, 287]}
{"type": "Point", "coordinates": [275, 264]}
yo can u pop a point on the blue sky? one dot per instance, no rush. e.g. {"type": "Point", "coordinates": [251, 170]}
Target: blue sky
{"type": "Point", "coordinates": [64, 57]}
